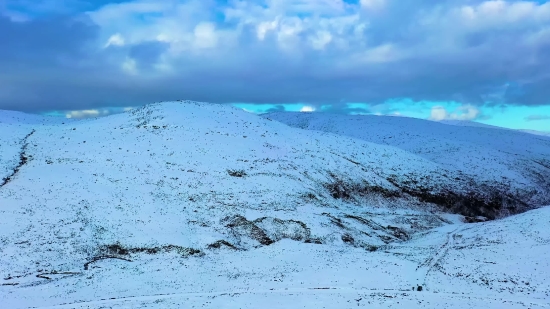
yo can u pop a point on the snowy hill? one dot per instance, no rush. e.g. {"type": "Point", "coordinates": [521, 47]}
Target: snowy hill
{"type": "Point", "coordinates": [468, 123]}
{"type": "Point", "coordinates": [208, 205]}
{"type": "Point", "coordinates": [513, 160]}
{"type": "Point", "coordinates": [539, 133]}
{"type": "Point", "coordinates": [481, 265]}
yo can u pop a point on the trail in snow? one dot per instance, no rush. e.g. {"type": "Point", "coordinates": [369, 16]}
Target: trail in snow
{"type": "Point", "coordinates": [423, 270]}
{"type": "Point", "coordinates": [307, 291]}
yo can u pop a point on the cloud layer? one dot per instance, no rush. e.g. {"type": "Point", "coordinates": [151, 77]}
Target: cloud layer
{"type": "Point", "coordinates": [82, 54]}
{"type": "Point", "coordinates": [537, 117]}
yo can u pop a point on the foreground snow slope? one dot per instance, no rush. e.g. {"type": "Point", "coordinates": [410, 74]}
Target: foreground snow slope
{"type": "Point", "coordinates": [200, 202]}
{"type": "Point", "coordinates": [498, 264]}
{"type": "Point", "coordinates": [487, 154]}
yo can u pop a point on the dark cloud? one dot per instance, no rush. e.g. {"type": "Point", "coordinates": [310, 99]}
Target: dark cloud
{"type": "Point", "coordinates": [417, 50]}
{"type": "Point", "coordinates": [35, 8]}
{"type": "Point", "coordinates": [275, 109]}
{"type": "Point", "coordinates": [45, 39]}
{"type": "Point", "coordinates": [147, 53]}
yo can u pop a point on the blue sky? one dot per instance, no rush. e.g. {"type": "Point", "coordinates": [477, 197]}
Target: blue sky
{"type": "Point", "coordinates": [486, 61]}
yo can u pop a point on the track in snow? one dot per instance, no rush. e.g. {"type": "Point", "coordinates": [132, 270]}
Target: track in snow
{"type": "Point", "coordinates": [424, 269]}
{"type": "Point", "coordinates": [389, 293]}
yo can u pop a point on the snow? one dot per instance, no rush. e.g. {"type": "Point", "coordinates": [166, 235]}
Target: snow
{"type": "Point", "coordinates": [219, 208]}
{"type": "Point", "coordinates": [477, 124]}
{"type": "Point", "coordinates": [484, 153]}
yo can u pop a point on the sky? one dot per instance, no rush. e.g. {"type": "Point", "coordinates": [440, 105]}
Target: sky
{"type": "Point", "coordinates": [485, 61]}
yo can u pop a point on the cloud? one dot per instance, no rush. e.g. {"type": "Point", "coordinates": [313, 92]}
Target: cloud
{"type": "Point", "coordinates": [147, 53]}
{"type": "Point", "coordinates": [307, 109]}
{"type": "Point", "coordinates": [537, 117]}
{"type": "Point", "coordinates": [85, 54]}
{"type": "Point", "coordinates": [275, 109]}
{"type": "Point", "coordinates": [372, 4]}
{"type": "Point", "coordinates": [88, 113]}
{"type": "Point", "coordinates": [465, 112]}
{"type": "Point", "coordinates": [40, 40]}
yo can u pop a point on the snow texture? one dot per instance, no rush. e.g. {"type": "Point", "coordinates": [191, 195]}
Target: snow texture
{"type": "Point", "coordinates": [186, 204]}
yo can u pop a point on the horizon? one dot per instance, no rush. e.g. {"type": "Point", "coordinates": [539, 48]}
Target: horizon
{"type": "Point", "coordinates": [288, 108]}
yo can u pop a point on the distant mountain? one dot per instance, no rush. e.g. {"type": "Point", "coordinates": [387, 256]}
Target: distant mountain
{"type": "Point", "coordinates": [546, 134]}
{"type": "Point", "coordinates": [481, 125]}
{"type": "Point", "coordinates": [506, 160]}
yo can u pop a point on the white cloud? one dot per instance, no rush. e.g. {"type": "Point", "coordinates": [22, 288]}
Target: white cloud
{"type": "Point", "coordinates": [307, 109]}
{"type": "Point", "coordinates": [129, 66]}
{"type": "Point", "coordinates": [496, 14]}
{"type": "Point", "coordinates": [465, 112]}
{"type": "Point", "coordinates": [302, 25]}
{"type": "Point", "coordinates": [264, 27]}
{"type": "Point", "coordinates": [87, 113]}
{"type": "Point", "coordinates": [373, 4]}
{"type": "Point", "coordinates": [438, 113]}
{"type": "Point", "coordinates": [205, 35]}
{"type": "Point", "coordinates": [379, 54]}
{"type": "Point", "coordinates": [320, 40]}
{"type": "Point", "coordinates": [115, 40]}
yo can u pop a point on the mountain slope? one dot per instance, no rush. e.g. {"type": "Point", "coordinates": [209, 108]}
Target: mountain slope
{"type": "Point", "coordinates": [200, 201]}
{"type": "Point", "coordinates": [514, 160]}
{"type": "Point", "coordinates": [468, 123]}
{"type": "Point", "coordinates": [210, 174]}
{"type": "Point", "coordinates": [481, 265]}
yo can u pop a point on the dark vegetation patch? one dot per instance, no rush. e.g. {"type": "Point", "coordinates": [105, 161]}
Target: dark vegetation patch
{"type": "Point", "coordinates": [236, 173]}
{"type": "Point", "coordinates": [221, 243]}
{"type": "Point", "coordinates": [398, 232]}
{"type": "Point", "coordinates": [468, 198]}
{"type": "Point", "coordinates": [49, 275]}
{"type": "Point", "coordinates": [242, 226]}
{"type": "Point", "coordinates": [395, 232]}
{"type": "Point", "coordinates": [23, 158]}
{"type": "Point", "coordinates": [348, 190]}
{"type": "Point", "coordinates": [477, 200]}
{"type": "Point", "coordinates": [104, 257]}
{"type": "Point", "coordinates": [316, 241]}
{"type": "Point", "coordinates": [334, 220]}
{"type": "Point", "coordinates": [371, 248]}
{"type": "Point", "coordinates": [279, 229]}
{"type": "Point", "coordinates": [309, 196]}
{"type": "Point", "coordinates": [373, 225]}
{"type": "Point", "coordinates": [347, 238]}
{"type": "Point", "coordinates": [269, 230]}
{"type": "Point", "coordinates": [119, 252]}
{"type": "Point", "coordinates": [118, 249]}
{"type": "Point", "coordinates": [387, 234]}
{"type": "Point", "coordinates": [474, 219]}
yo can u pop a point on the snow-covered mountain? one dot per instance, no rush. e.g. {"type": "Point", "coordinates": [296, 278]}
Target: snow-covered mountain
{"type": "Point", "coordinates": [468, 123]}
{"type": "Point", "coordinates": [539, 133]}
{"type": "Point", "coordinates": [207, 205]}
{"type": "Point", "coordinates": [507, 160]}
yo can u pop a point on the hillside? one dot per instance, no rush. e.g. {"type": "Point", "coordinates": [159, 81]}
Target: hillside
{"type": "Point", "coordinates": [194, 202]}
{"type": "Point", "coordinates": [515, 164]}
